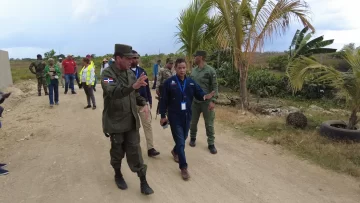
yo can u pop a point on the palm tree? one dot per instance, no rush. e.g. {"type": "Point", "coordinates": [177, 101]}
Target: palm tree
{"type": "Point", "coordinates": [347, 83]}
{"type": "Point", "coordinates": [192, 27]}
{"type": "Point", "coordinates": [301, 45]}
{"type": "Point", "coordinates": [245, 26]}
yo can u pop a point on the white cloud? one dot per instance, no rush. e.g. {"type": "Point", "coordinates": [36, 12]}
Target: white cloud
{"type": "Point", "coordinates": [336, 19]}
{"type": "Point", "coordinates": [24, 52]}
{"type": "Point", "coordinates": [89, 10]}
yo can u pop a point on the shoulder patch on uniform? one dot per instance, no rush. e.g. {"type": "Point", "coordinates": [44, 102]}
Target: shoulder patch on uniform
{"type": "Point", "coordinates": [108, 80]}
{"type": "Point", "coordinates": [173, 82]}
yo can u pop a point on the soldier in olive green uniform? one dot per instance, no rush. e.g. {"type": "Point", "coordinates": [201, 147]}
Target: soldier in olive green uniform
{"type": "Point", "coordinates": [120, 116]}
{"type": "Point", "coordinates": [39, 65]}
{"type": "Point", "coordinates": [205, 76]}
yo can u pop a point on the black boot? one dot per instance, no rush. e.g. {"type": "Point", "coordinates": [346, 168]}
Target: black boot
{"type": "Point", "coordinates": [212, 149]}
{"type": "Point", "coordinates": [152, 152]}
{"type": "Point", "coordinates": [119, 179]}
{"type": "Point", "coordinates": [144, 186]}
{"type": "Point", "coordinates": [192, 142]}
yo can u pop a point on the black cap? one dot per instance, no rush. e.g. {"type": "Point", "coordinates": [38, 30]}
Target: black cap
{"type": "Point", "coordinates": [123, 49]}
{"type": "Point", "coordinates": [39, 56]}
{"type": "Point", "coordinates": [200, 53]}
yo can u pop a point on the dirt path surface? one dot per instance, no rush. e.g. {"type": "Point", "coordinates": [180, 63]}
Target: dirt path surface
{"type": "Point", "coordinates": [61, 155]}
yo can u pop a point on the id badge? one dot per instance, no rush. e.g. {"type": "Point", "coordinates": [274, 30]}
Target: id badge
{"type": "Point", "coordinates": [183, 106]}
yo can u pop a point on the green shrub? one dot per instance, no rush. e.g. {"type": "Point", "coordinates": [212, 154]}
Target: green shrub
{"type": "Point", "coordinates": [278, 62]}
{"type": "Point", "coordinates": [264, 83]}
{"type": "Point", "coordinates": [228, 76]}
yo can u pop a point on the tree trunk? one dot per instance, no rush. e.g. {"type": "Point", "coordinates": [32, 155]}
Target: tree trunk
{"type": "Point", "coordinates": [244, 103]}
{"type": "Point", "coordinates": [352, 120]}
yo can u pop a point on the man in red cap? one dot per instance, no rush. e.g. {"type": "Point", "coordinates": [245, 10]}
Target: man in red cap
{"type": "Point", "coordinates": [92, 63]}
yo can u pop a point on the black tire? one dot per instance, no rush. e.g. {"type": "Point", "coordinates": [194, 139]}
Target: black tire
{"type": "Point", "coordinates": [335, 129]}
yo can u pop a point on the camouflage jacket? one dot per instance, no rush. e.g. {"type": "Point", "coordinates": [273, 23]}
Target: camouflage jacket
{"type": "Point", "coordinates": [39, 66]}
{"type": "Point", "coordinates": [163, 75]}
{"type": "Point", "coordinates": [120, 100]}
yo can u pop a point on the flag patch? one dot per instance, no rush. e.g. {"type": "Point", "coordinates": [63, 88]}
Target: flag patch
{"type": "Point", "coordinates": [108, 80]}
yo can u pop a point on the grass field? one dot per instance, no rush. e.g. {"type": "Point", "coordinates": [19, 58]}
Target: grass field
{"type": "Point", "coordinates": [339, 156]}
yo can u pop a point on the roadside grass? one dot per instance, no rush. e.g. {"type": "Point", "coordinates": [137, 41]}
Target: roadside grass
{"type": "Point", "coordinates": [20, 71]}
{"type": "Point", "coordinates": [342, 157]}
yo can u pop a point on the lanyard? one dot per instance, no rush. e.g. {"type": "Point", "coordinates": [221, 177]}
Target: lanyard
{"type": "Point", "coordinates": [137, 73]}
{"type": "Point", "coordinates": [182, 89]}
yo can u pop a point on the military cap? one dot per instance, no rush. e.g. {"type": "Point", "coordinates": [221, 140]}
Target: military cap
{"type": "Point", "coordinates": [123, 49]}
{"type": "Point", "coordinates": [169, 60]}
{"type": "Point", "coordinates": [200, 53]}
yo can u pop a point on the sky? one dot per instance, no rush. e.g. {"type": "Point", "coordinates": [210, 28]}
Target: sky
{"type": "Point", "coordinates": [81, 27]}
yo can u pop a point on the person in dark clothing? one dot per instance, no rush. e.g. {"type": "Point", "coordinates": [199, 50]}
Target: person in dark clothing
{"type": "Point", "coordinates": [177, 96]}
{"type": "Point", "coordinates": [2, 99]}
{"type": "Point", "coordinates": [146, 93]}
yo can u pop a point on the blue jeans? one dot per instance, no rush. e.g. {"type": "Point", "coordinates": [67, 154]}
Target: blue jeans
{"type": "Point", "coordinates": [180, 131]}
{"type": "Point", "coordinates": [54, 89]}
{"type": "Point", "coordinates": [69, 82]}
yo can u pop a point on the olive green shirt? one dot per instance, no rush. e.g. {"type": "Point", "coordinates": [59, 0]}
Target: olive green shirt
{"type": "Point", "coordinates": [206, 78]}
{"type": "Point", "coordinates": [120, 100]}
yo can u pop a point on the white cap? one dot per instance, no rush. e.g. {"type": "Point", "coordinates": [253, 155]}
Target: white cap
{"type": "Point", "coordinates": [60, 58]}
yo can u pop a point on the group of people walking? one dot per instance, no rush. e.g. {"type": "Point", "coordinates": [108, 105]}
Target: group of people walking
{"type": "Point", "coordinates": [49, 74]}
{"type": "Point", "coordinates": [127, 97]}
{"type": "Point", "coordinates": [127, 102]}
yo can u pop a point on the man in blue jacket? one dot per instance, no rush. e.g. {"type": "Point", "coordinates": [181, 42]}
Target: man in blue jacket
{"type": "Point", "coordinates": [177, 96]}
{"type": "Point", "coordinates": [156, 69]}
{"type": "Point", "coordinates": [145, 120]}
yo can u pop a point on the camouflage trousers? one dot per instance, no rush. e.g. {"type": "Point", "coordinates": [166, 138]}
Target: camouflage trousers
{"type": "Point", "coordinates": [41, 82]}
{"type": "Point", "coordinates": [127, 143]}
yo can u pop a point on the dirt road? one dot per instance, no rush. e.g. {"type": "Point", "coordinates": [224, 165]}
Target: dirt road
{"type": "Point", "coordinates": [61, 155]}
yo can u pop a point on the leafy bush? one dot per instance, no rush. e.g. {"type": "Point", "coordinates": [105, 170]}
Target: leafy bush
{"type": "Point", "coordinates": [263, 83]}
{"type": "Point", "coordinates": [278, 62]}
{"type": "Point", "coordinates": [228, 76]}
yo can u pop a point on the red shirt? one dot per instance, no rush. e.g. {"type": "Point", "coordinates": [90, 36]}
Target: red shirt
{"type": "Point", "coordinates": [69, 66]}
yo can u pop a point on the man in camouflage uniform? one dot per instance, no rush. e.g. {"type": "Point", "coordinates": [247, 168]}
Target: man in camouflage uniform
{"type": "Point", "coordinates": [39, 66]}
{"type": "Point", "coordinates": [205, 76]}
{"type": "Point", "coordinates": [164, 74]}
{"type": "Point", "coordinates": [120, 115]}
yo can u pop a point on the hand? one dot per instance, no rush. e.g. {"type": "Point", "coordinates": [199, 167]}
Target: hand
{"type": "Point", "coordinates": [63, 76]}
{"type": "Point", "coordinates": [145, 109]}
{"type": "Point", "coordinates": [140, 82]}
{"type": "Point", "coordinates": [49, 73]}
{"type": "Point", "coordinates": [163, 120]}
{"type": "Point", "coordinates": [211, 106]}
{"type": "Point", "coordinates": [209, 96]}
{"type": "Point", "coordinates": [158, 93]}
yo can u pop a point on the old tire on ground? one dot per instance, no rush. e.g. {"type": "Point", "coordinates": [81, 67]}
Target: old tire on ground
{"type": "Point", "coordinates": [336, 129]}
